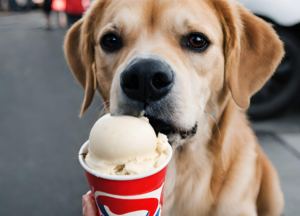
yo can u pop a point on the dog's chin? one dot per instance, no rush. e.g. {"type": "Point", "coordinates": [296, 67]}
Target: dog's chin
{"type": "Point", "coordinates": [169, 129]}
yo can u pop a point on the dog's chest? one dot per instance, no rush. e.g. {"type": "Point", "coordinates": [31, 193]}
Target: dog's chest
{"type": "Point", "coordinates": [187, 187]}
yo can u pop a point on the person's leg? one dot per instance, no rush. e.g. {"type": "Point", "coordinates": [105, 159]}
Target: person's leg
{"type": "Point", "coordinates": [69, 21]}
{"type": "Point", "coordinates": [48, 21]}
{"type": "Point", "coordinates": [62, 19]}
{"type": "Point", "coordinates": [77, 17]}
{"type": "Point", "coordinates": [72, 19]}
{"type": "Point", "coordinates": [47, 10]}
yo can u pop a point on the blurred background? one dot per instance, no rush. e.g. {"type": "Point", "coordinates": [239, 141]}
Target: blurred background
{"type": "Point", "coordinates": [41, 133]}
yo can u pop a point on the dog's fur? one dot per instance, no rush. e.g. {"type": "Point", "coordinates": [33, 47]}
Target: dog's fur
{"type": "Point", "coordinates": [221, 170]}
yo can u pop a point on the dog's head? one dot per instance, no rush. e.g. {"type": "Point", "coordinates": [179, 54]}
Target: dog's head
{"type": "Point", "coordinates": [174, 61]}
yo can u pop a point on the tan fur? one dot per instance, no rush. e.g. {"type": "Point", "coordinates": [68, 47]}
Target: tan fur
{"type": "Point", "coordinates": [221, 170]}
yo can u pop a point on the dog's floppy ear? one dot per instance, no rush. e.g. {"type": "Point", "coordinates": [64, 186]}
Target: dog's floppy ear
{"type": "Point", "coordinates": [252, 51]}
{"type": "Point", "coordinates": [79, 52]}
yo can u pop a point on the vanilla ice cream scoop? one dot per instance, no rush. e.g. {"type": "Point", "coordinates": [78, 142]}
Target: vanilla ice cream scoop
{"type": "Point", "coordinates": [124, 145]}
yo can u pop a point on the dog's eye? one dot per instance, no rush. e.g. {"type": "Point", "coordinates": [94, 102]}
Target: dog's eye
{"type": "Point", "coordinates": [197, 41]}
{"type": "Point", "coordinates": [111, 42]}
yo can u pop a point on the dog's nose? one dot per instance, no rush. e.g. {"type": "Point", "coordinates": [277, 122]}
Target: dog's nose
{"type": "Point", "coordinates": [146, 80]}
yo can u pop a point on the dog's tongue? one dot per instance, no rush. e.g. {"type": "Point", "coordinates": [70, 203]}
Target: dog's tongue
{"type": "Point", "coordinates": [160, 126]}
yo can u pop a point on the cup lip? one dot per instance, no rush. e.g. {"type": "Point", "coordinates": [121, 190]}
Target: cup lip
{"type": "Point", "coordinates": [84, 149]}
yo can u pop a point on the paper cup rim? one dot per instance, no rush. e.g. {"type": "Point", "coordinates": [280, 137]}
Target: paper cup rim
{"type": "Point", "coordinates": [84, 149]}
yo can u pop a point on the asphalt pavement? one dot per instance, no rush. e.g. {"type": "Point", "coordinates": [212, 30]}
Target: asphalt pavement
{"type": "Point", "coordinates": [41, 133]}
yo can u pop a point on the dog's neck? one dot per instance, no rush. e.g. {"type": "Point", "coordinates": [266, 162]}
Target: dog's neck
{"type": "Point", "coordinates": [204, 161]}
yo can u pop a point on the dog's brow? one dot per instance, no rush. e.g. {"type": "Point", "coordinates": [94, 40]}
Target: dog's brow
{"type": "Point", "coordinates": [186, 23]}
{"type": "Point", "coordinates": [115, 27]}
{"type": "Point", "coordinates": [107, 28]}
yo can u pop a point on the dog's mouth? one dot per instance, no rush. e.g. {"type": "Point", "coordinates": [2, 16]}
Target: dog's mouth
{"type": "Point", "coordinates": [165, 127]}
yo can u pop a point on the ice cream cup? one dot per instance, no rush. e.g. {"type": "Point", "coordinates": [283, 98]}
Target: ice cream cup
{"type": "Point", "coordinates": [128, 195]}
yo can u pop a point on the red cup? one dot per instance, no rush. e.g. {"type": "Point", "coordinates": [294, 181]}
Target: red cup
{"type": "Point", "coordinates": [127, 195]}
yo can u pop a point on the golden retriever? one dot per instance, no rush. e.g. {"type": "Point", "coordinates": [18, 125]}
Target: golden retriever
{"type": "Point", "coordinates": [191, 67]}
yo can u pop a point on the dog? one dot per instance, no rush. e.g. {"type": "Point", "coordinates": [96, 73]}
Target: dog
{"type": "Point", "coordinates": [191, 67]}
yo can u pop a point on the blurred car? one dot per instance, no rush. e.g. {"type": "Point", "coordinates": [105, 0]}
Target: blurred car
{"type": "Point", "coordinates": [283, 89]}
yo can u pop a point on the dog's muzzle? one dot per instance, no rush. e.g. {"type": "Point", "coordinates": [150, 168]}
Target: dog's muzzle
{"type": "Point", "coordinates": [146, 85]}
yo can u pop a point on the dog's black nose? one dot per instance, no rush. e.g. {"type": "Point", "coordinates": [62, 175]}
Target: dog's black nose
{"type": "Point", "coordinates": [146, 80]}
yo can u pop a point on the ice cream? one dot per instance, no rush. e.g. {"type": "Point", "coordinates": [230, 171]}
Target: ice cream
{"type": "Point", "coordinates": [125, 145]}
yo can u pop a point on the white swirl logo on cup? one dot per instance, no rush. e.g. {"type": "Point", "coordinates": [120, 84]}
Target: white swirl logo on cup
{"type": "Point", "coordinates": [138, 205]}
